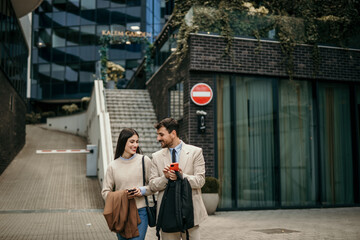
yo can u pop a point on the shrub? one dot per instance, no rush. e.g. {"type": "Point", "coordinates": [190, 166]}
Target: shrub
{"type": "Point", "coordinates": [70, 108]}
{"type": "Point", "coordinates": [211, 185]}
{"type": "Point", "coordinates": [48, 114]}
{"type": "Point", "coordinates": [32, 118]}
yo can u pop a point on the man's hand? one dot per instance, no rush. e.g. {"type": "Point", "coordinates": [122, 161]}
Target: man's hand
{"type": "Point", "coordinates": [172, 174]}
{"type": "Point", "coordinates": [166, 171]}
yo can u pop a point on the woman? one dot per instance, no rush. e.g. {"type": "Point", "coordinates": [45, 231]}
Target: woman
{"type": "Point", "coordinates": [125, 173]}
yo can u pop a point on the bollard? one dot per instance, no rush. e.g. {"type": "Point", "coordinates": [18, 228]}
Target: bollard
{"type": "Point", "coordinates": [91, 161]}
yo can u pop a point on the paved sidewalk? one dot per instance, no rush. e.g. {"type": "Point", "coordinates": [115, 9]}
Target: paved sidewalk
{"type": "Point", "coordinates": [49, 197]}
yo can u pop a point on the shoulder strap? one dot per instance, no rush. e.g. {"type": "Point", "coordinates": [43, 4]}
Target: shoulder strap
{"type": "Point", "coordinates": [143, 170]}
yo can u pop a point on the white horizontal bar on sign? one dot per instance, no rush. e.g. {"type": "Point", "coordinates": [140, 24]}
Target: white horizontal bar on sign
{"type": "Point", "coordinates": [201, 94]}
{"type": "Point", "coordinates": [62, 151]}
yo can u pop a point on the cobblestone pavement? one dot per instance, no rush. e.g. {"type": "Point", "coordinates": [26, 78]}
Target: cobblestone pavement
{"type": "Point", "coordinates": [49, 197]}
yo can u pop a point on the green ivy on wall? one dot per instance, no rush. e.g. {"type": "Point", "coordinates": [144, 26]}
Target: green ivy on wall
{"type": "Point", "coordinates": [107, 40]}
{"type": "Point", "coordinates": [312, 22]}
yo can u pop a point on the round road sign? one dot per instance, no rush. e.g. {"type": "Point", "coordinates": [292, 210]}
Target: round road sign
{"type": "Point", "coordinates": [201, 94]}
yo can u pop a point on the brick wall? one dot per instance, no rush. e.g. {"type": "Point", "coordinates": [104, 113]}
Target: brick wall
{"type": "Point", "coordinates": [12, 124]}
{"type": "Point", "coordinates": [206, 58]}
{"type": "Point", "coordinates": [266, 58]}
{"type": "Point", "coordinates": [158, 87]}
{"type": "Point", "coordinates": [204, 140]}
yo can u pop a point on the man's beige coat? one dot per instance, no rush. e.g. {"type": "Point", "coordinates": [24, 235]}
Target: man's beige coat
{"type": "Point", "coordinates": [193, 166]}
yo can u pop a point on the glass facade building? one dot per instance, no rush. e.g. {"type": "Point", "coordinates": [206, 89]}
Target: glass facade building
{"type": "Point", "coordinates": [13, 49]}
{"type": "Point", "coordinates": [66, 42]}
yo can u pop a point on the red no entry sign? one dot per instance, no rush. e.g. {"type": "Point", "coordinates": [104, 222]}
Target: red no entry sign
{"type": "Point", "coordinates": [201, 94]}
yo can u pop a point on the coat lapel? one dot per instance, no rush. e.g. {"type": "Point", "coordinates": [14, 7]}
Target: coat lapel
{"type": "Point", "coordinates": [166, 156]}
{"type": "Point", "coordinates": [184, 156]}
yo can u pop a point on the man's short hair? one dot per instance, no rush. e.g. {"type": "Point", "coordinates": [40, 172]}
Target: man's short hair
{"type": "Point", "coordinates": [170, 124]}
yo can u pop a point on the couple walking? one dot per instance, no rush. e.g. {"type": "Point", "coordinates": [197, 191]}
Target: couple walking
{"type": "Point", "coordinates": [126, 174]}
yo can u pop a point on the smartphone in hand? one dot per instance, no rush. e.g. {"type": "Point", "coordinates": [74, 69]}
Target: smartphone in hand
{"type": "Point", "coordinates": [131, 191]}
{"type": "Point", "coordinates": [174, 166]}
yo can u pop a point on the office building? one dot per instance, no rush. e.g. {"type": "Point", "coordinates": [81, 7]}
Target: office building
{"type": "Point", "coordinates": [67, 41]}
{"type": "Point", "coordinates": [15, 42]}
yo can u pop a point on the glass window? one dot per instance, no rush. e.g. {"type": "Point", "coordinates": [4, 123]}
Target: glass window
{"type": "Point", "coordinates": [35, 90]}
{"type": "Point", "coordinates": [103, 16]}
{"type": "Point", "coordinates": [45, 20]}
{"type": "Point", "coordinates": [44, 37]}
{"type": "Point", "coordinates": [87, 17]}
{"type": "Point", "coordinates": [44, 91]}
{"type": "Point", "coordinates": [100, 29]}
{"type": "Point", "coordinates": [103, 3]}
{"type": "Point", "coordinates": [72, 5]}
{"type": "Point", "coordinates": [86, 87]}
{"type": "Point", "coordinates": [73, 36]}
{"type": "Point", "coordinates": [134, 26]}
{"type": "Point", "coordinates": [45, 6]}
{"type": "Point", "coordinates": [118, 16]}
{"type": "Point", "coordinates": [35, 73]}
{"type": "Point", "coordinates": [133, 14]}
{"type": "Point", "coordinates": [245, 141]}
{"type": "Point", "coordinates": [72, 72]}
{"type": "Point", "coordinates": [35, 21]}
{"type": "Point", "coordinates": [118, 3]}
{"type": "Point", "coordinates": [176, 101]}
{"type": "Point", "coordinates": [72, 54]}
{"type": "Point", "coordinates": [59, 37]}
{"type": "Point", "coordinates": [88, 4]}
{"type": "Point", "coordinates": [44, 71]}
{"type": "Point", "coordinates": [87, 70]}
{"type": "Point", "coordinates": [58, 55]}
{"type": "Point", "coordinates": [57, 90]}
{"type": "Point", "coordinates": [254, 141]}
{"type": "Point", "coordinates": [88, 35]}
{"type": "Point", "coordinates": [34, 54]}
{"type": "Point", "coordinates": [297, 144]}
{"type": "Point", "coordinates": [224, 140]}
{"type": "Point", "coordinates": [59, 19]}
{"type": "Point", "coordinates": [134, 3]}
{"type": "Point", "coordinates": [117, 51]}
{"type": "Point", "coordinates": [87, 53]}
{"type": "Point", "coordinates": [71, 88]}
{"type": "Point", "coordinates": [335, 144]}
{"type": "Point", "coordinates": [59, 5]}
{"type": "Point", "coordinates": [57, 72]}
{"type": "Point", "coordinates": [44, 55]}
{"type": "Point", "coordinates": [117, 27]}
{"type": "Point", "coordinates": [73, 18]}
{"type": "Point", "coordinates": [357, 92]}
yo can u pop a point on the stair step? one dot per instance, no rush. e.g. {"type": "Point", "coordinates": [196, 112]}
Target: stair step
{"type": "Point", "coordinates": [132, 108]}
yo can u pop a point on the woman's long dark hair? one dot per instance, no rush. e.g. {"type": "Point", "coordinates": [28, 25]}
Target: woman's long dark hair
{"type": "Point", "coordinates": [124, 135]}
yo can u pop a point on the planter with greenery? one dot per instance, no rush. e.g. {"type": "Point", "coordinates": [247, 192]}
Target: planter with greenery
{"type": "Point", "coordinates": [210, 194]}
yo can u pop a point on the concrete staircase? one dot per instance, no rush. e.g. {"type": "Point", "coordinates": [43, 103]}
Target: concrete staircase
{"type": "Point", "coordinates": [132, 108]}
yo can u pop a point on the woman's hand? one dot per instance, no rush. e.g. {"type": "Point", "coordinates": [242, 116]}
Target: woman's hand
{"type": "Point", "coordinates": [134, 192]}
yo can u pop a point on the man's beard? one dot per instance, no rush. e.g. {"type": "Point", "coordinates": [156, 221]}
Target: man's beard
{"type": "Point", "coordinates": [164, 144]}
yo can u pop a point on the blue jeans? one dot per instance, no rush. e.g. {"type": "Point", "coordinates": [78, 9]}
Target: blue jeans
{"type": "Point", "coordinates": [142, 226]}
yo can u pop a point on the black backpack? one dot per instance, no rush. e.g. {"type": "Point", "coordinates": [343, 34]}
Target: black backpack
{"type": "Point", "coordinates": [176, 212]}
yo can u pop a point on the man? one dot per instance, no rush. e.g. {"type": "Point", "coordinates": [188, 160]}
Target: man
{"type": "Point", "coordinates": [191, 166]}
